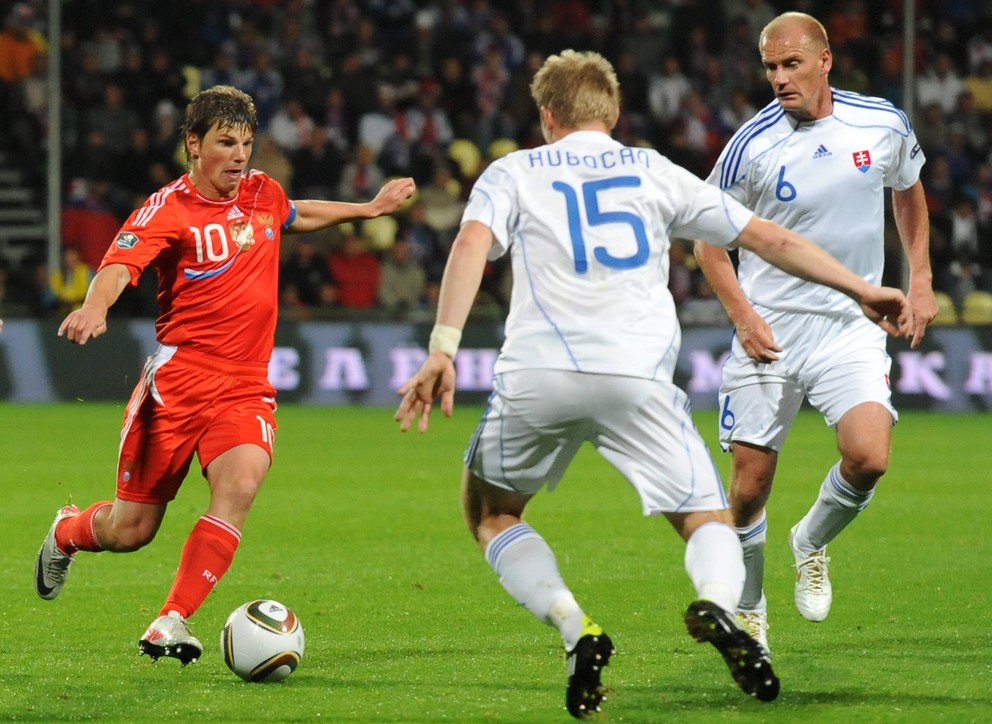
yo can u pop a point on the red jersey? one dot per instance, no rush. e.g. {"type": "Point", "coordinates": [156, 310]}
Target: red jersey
{"type": "Point", "coordinates": [217, 264]}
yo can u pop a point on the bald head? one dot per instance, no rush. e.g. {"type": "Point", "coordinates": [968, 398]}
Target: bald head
{"type": "Point", "coordinates": [809, 28]}
{"type": "Point", "coordinates": [797, 61]}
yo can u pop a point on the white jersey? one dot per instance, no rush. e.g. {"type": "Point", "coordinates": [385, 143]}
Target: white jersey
{"type": "Point", "coordinates": [587, 222]}
{"type": "Point", "coordinates": [823, 179]}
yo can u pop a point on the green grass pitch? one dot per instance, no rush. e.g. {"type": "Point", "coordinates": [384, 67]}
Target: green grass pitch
{"type": "Point", "coordinates": [358, 529]}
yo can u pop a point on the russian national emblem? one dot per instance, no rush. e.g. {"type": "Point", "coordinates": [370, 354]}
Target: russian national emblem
{"type": "Point", "coordinates": [243, 234]}
{"type": "Point", "coordinates": [862, 160]}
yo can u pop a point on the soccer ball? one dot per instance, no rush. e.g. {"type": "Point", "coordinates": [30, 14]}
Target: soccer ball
{"type": "Point", "coordinates": [262, 641]}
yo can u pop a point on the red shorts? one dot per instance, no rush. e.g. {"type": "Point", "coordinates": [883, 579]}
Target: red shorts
{"type": "Point", "coordinates": [187, 403]}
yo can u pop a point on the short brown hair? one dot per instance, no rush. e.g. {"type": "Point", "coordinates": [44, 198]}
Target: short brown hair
{"type": "Point", "coordinates": [578, 88]}
{"type": "Point", "coordinates": [224, 105]}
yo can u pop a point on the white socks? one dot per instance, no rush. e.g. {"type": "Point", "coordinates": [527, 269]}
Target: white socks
{"type": "Point", "coordinates": [714, 561]}
{"type": "Point", "coordinates": [752, 538]}
{"type": "Point", "coordinates": [528, 571]}
{"type": "Point", "coordinates": [837, 505]}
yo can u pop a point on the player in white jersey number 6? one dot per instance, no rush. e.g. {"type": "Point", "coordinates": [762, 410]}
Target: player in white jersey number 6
{"type": "Point", "coordinates": [591, 343]}
{"type": "Point", "coordinates": [816, 160]}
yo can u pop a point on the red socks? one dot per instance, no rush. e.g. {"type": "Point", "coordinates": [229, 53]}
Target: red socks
{"type": "Point", "coordinates": [206, 557]}
{"type": "Point", "coordinates": [76, 533]}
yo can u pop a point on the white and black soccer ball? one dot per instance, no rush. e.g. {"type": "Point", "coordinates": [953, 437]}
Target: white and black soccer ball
{"type": "Point", "coordinates": [262, 641]}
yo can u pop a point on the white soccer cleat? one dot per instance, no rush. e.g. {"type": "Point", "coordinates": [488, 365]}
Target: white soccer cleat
{"type": "Point", "coordinates": [170, 636]}
{"type": "Point", "coordinates": [813, 591]}
{"type": "Point", "coordinates": [756, 625]}
{"type": "Point", "coordinates": [51, 567]}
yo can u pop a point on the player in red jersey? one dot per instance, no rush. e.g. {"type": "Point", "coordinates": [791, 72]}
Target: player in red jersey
{"type": "Point", "coordinates": [213, 238]}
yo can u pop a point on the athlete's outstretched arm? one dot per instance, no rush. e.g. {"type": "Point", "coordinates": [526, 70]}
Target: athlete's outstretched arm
{"type": "Point", "coordinates": [909, 207]}
{"type": "Point", "coordinates": [795, 254]}
{"type": "Point", "coordinates": [90, 320]}
{"type": "Point", "coordinates": [312, 215]}
{"type": "Point", "coordinates": [753, 332]}
{"type": "Point", "coordinates": [459, 287]}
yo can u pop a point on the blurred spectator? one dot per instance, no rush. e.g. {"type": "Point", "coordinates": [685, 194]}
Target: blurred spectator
{"type": "Point", "coordinates": [70, 281]}
{"type": "Point", "coordinates": [304, 278]}
{"type": "Point", "coordinates": [355, 272]}
{"type": "Point", "coordinates": [702, 307]}
{"type": "Point", "coordinates": [940, 83]}
{"type": "Point", "coordinates": [735, 112]}
{"type": "Point", "coordinates": [457, 95]}
{"type": "Point", "coordinates": [337, 120]}
{"type": "Point", "coordinates": [979, 190]}
{"type": "Point", "coordinates": [643, 39]}
{"type": "Point", "coordinates": [140, 160]}
{"type": "Point", "coordinates": [758, 13]}
{"type": "Point", "coordinates": [979, 46]}
{"type": "Point", "coordinates": [886, 80]}
{"type": "Point", "coordinates": [361, 177]}
{"type": "Point", "coordinates": [492, 81]}
{"type": "Point", "coordinates": [21, 50]}
{"type": "Point", "coordinates": [979, 84]}
{"type": "Point", "coordinates": [339, 20]}
{"type": "Point", "coordinates": [114, 119]}
{"type": "Point", "coordinates": [938, 185]}
{"type": "Point", "coordinates": [291, 127]}
{"type": "Point", "coordinates": [400, 76]}
{"type": "Point", "coordinates": [959, 155]}
{"type": "Point", "coordinates": [964, 273]}
{"type": "Point", "coordinates": [268, 157]}
{"type": "Point", "coordinates": [221, 70]}
{"type": "Point", "coordinates": [847, 28]}
{"type": "Point", "coordinates": [424, 241]}
{"type": "Point", "coordinates": [263, 82]}
{"type": "Point", "coordinates": [140, 91]}
{"type": "Point", "coordinates": [975, 124]}
{"type": "Point", "coordinates": [679, 273]}
{"type": "Point", "coordinates": [92, 159]}
{"type": "Point", "coordinates": [428, 130]}
{"type": "Point", "coordinates": [500, 36]}
{"type": "Point", "coordinates": [847, 74]}
{"type": "Point", "coordinates": [89, 223]}
{"type": "Point", "coordinates": [168, 84]}
{"type": "Point", "coordinates": [403, 279]}
{"type": "Point", "coordinates": [634, 99]}
{"type": "Point", "coordinates": [931, 128]}
{"type": "Point", "coordinates": [308, 80]}
{"type": "Point", "coordinates": [383, 131]}
{"type": "Point", "coordinates": [667, 89]}
{"type": "Point", "coordinates": [317, 167]}
{"type": "Point", "coordinates": [442, 203]}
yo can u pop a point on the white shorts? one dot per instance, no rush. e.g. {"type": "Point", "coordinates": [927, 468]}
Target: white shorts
{"type": "Point", "coordinates": [537, 420]}
{"type": "Point", "coordinates": [834, 362]}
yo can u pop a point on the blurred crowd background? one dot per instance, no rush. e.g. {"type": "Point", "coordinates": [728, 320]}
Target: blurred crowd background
{"type": "Point", "coordinates": [351, 92]}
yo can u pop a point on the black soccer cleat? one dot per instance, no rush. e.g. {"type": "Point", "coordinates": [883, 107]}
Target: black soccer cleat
{"type": "Point", "coordinates": [748, 662]}
{"type": "Point", "coordinates": [585, 663]}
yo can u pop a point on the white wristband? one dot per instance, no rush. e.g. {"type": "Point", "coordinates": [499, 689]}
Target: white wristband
{"type": "Point", "coordinates": [444, 339]}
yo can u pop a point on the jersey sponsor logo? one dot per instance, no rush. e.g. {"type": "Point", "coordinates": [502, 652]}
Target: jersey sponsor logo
{"type": "Point", "coordinates": [822, 152]}
{"type": "Point", "coordinates": [862, 160]}
{"type": "Point", "coordinates": [126, 240]}
{"type": "Point", "coordinates": [235, 213]}
{"type": "Point", "coordinates": [916, 150]}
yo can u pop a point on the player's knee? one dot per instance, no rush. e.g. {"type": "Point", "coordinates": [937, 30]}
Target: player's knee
{"type": "Point", "coordinates": [863, 468]}
{"type": "Point", "coordinates": [131, 538]}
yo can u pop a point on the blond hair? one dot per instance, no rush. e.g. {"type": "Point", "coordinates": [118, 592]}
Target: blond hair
{"type": "Point", "coordinates": [578, 88]}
